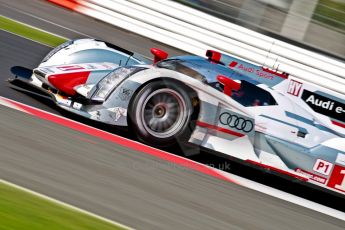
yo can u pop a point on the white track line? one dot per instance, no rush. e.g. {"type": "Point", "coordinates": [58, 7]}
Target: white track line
{"type": "Point", "coordinates": [12, 106]}
{"type": "Point", "coordinates": [47, 21]}
{"type": "Point", "coordinates": [288, 197]}
{"type": "Point", "coordinates": [27, 38]}
{"type": "Point", "coordinates": [68, 206]}
{"type": "Point", "coordinates": [34, 27]}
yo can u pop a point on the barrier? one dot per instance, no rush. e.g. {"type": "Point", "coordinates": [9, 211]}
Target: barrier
{"type": "Point", "coordinates": [194, 31]}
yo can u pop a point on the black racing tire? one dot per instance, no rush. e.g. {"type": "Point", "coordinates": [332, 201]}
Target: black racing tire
{"type": "Point", "coordinates": [160, 114]}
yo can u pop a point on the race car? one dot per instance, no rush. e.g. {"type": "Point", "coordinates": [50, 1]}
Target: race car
{"type": "Point", "coordinates": [227, 105]}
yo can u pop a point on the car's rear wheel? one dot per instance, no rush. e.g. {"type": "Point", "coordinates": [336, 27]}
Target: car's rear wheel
{"type": "Point", "coordinates": [160, 113]}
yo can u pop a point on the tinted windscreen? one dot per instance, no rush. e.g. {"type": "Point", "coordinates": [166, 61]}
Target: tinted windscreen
{"type": "Point", "coordinates": [181, 67]}
{"type": "Point", "coordinates": [251, 95]}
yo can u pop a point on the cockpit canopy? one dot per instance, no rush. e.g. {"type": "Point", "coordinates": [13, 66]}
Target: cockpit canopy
{"type": "Point", "coordinates": [205, 71]}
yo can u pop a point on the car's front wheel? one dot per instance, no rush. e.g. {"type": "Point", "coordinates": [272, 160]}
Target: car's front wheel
{"type": "Point", "coordinates": [160, 113]}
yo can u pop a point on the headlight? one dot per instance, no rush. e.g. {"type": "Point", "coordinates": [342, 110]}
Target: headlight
{"type": "Point", "coordinates": [105, 86]}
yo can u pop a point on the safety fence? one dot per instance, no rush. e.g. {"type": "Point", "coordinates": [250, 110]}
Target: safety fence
{"type": "Point", "coordinates": [195, 32]}
{"type": "Point", "coordinates": [312, 24]}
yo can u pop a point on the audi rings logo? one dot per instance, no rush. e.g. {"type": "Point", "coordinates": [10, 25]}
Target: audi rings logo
{"type": "Point", "coordinates": [234, 121]}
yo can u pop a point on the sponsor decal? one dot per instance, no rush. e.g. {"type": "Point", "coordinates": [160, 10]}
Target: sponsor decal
{"type": "Point", "coordinates": [294, 88]}
{"type": "Point", "coordinates": [125, 94]}
{"type": "Point", "coordinates": [233, 64]}
{"type": "Point", "coordinates": [236, 122]}
{"type": "Point", "coordinates": [95, 115]}
{"type": "Point", "coordinates": [90, 66]}
{"type": "Point", "coordinates": [324, 105]}
{"type": "Point", "coordinates": [312, 176]}
{"type": "Point", "coordinates": [260, 72]}
{"type": "Point", "coordinates": [70, 67]}
{"type": "Point", "coordinates": [117, 112]}
{"type": "Point", "coordinates": [340, 159]}
{"type": "Point", "coordinates": [245, 68]}
{"type": "Point", "coordinates": [46, 70]}
{"type": "Point", "coordinates": [337, 180]}
{"type": "Point", "coordinates": [77, 105]}
{"type": "Point", "coordinates": [323, 167]}
{"type": "Point", "coordinates": [276, 73]}
{"type": "Point", "coordinates": [108, 66]}
{"type": "Point", "coordinates": [65, 102]}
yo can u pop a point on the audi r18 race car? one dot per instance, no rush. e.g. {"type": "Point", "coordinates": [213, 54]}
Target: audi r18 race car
{"type": "Point", "coordinates": [235, 108]}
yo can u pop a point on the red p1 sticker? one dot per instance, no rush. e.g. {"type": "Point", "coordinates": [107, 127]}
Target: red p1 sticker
{"type": "Point", "coordinates": [323, 167]}
{"type": "Point", "coordinates": [337, 180]}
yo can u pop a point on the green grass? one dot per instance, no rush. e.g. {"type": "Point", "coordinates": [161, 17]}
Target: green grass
{"type": "Point", "coordinates": [331, 13]}
{"type": "Point", "coordinates": [21, 210]}
{"type": "Point", "coordinates": [30, 32]}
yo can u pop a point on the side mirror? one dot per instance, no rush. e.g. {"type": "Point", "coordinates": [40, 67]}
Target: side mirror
{"type": "Point", "coordinates": [229, 84]}
{"type": "Point", "coordinates": [158, 55]}
{"type": "Point", "coordinates": [213, 56]}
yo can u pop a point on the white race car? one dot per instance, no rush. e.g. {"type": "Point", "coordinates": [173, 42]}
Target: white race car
{"type": "Point", "coordinates": [235, 108]}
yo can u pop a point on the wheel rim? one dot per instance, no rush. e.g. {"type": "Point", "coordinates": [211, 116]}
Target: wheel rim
{"type": "Point", "coordinates": [163, 113]}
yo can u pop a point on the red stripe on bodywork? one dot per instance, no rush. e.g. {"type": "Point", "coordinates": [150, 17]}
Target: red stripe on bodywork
{"type": "Point", "coordinates": [121, 141]}
{"type": "Point", "coordinates": [66, 82]}
{"type": "Point", "coordinates": [277, 170]}
{"type": "Point", "coordinates": [338, 124]}
{"type": "Point", "coordinates": [233, 64]}
{"type": "Point", "coordinates": [220, 129]}
{"type": "Point", "coordinates": [282, 75]}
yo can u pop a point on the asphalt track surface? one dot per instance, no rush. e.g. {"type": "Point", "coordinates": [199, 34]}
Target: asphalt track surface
{"type": "Point", "coordinates": [116, 182]}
